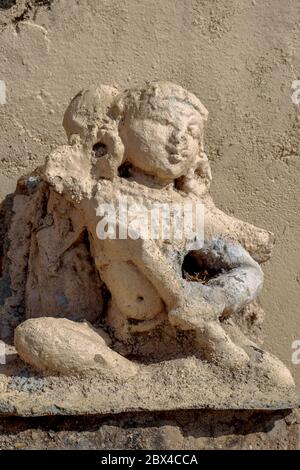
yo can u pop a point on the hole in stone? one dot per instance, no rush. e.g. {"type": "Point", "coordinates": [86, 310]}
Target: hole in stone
{"type": "Point", "coordinates": [100, 150]}
{"type": "Point", "coordinates": [140, 298]}
{"type": "Point", "coordinates": [195, 269]}
{"type": "Point", "coordinates": [124, 170]}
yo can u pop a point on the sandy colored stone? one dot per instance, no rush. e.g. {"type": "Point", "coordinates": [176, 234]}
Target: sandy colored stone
{"type": "Point", "coordinates": [242, 168]}
{"type": "Point", "coordinates": [158, 298]}
{"type": "Point", "coordinates": [175, 384]}
{"type": "Point", "coordinates": [68, 347]}
{"type": "Point", "coordinates": [241, 56]}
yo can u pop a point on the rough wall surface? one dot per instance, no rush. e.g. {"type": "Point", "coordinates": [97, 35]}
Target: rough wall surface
{"type": "Point", "coordinates": [239, 56]}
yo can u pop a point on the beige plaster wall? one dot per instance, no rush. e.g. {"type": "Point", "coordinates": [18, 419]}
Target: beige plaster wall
{"type": "Point", "coordinates": [239, 56]}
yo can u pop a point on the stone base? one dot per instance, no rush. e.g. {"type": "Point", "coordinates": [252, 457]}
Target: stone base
{"type": "Point", "coordinates": [180, 430]}
{"type": "Point", "coordinates": [179, 384]}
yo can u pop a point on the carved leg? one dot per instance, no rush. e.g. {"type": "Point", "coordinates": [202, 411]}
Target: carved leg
{"type": "Point", "coordinates": [211, 338]}
{"type": "Point", "coordinates": [265, 362]}
{"type": "Point", "coordinates": [67, 347]}
{"type": "Point", "coordinates": [218, 347]}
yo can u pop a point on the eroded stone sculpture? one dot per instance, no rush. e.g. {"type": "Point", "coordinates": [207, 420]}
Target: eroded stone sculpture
{"type": "Point", "coordinates": [114, 307]}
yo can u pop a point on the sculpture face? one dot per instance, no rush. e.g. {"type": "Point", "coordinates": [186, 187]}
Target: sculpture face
{"type": "Point", "coordinates": [164, 147]}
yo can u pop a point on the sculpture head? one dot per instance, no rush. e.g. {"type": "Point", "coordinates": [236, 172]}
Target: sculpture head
{"type": "Point", "coordinates": [161, 126]}
{"type": "Point", "coordinates": [158, 129]}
